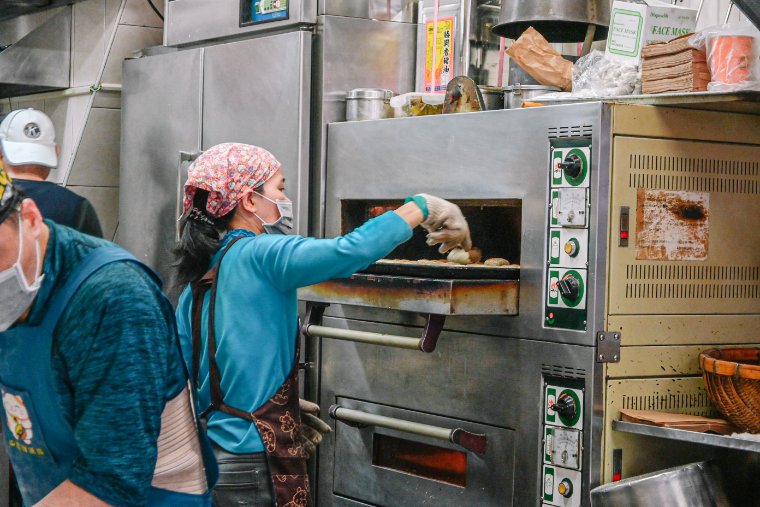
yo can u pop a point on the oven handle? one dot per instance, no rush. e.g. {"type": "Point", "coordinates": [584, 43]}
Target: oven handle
{"type": "Point", "coordinates": [428, 342]}
{"type": "Point", "coordinates": [473, 442]}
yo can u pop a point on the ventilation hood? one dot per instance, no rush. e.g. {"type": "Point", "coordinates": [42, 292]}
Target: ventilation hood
{"type": "Point", "coordinates": [40, 60]}
{"type": "Point", "coordinates": [14, 8]}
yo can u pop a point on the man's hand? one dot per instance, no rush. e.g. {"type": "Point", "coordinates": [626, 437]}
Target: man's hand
{"type": "Point", "coordinates": [312, 427]}
{"type": "Point", "coordinates": [446, 225]}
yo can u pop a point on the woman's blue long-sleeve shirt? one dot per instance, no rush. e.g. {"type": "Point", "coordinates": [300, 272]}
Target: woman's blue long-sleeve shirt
{"type": "Point", "coordinates": [257, 313]}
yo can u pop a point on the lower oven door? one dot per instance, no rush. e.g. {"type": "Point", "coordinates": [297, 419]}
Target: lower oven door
{"type": "Point", "coordinates": [391, 468]}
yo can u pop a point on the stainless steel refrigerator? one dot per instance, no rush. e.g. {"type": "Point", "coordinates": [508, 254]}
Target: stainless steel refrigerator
{"type": "Point", "coordinates": [225, 75]}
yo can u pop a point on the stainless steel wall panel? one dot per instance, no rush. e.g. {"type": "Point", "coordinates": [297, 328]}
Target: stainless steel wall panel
{"type": "Point", "coordinates": [352, 53]}
{"type": "Point", "coordinates": [193, 21]}
{"type": "Point", "coordinates": [96, 162]}
{"type": "Point", "coordinates": [269, 108]}
{"type": "Point", "coordinates": [158, 121]}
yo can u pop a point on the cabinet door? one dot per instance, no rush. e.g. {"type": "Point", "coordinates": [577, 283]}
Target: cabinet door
{"type": "Point", "coordinates": [161, 117]}
{"type": "Point", "coordinates": [257, 91]}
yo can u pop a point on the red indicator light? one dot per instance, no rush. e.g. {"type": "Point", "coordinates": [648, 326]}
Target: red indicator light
{"type": "Point", "coordinates": [616, 477]}
{"type": "Point", "coordinates": [623, 234]}
{"type": "Point", "coordinates": [551, 315]}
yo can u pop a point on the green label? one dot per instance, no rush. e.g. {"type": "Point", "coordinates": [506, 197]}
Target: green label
{"type": "Point", "coordinates": [625, 33]}
{"type": "Point", "coordinates": [550, 414]}
{"type": "Point", "coordinates": [548, 484]}
{"type": "Point", "coordinates": [555, 204]}
{"type": "Point", "coordinates": [556, 169]}
{"type": "Point", "coordinates": [554, 247]}
{"type": "Point", "coordinates": [553, 290]}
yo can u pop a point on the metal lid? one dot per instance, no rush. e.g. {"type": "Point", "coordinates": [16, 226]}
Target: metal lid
{"type": "Point", "coordinates": [519, 87]}
{"type": "Point", "coordinates": [491, 89]}
{"type": "Point", "coordinates": [369, 93]}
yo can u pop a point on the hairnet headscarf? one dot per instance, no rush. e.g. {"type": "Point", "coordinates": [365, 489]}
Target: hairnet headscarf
{"type": "Point", "coordinates": [227, 171]}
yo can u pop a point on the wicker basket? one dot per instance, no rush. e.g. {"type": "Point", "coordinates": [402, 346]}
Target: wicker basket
{"type": "Point", "coordinates": [732, 377]}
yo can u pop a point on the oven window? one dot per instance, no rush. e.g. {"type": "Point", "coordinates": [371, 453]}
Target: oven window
{"type": "Point", "coordinates": [422, 460]}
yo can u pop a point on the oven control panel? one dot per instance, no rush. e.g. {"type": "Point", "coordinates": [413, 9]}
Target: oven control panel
{"type": "Point", "coordinates": [562, 464]}
{"type": "Point", "coordinates": [567, 234]}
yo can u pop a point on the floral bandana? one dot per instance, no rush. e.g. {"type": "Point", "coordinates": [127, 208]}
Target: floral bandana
{"type": "Point", "coordinates": [227, 171]}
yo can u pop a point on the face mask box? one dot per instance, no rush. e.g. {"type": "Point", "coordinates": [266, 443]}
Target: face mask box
{"type": "Point", "coordinates": [634, 25]}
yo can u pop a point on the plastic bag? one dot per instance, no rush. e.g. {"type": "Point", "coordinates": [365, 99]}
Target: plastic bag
{"type": "Point", "coordinates": [732, 56]}
{"type": "Point", "coordinates": [597, 75]}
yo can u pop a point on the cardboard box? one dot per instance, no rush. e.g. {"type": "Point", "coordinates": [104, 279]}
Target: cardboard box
{"type": "Point", "coordinates": [634, 25]}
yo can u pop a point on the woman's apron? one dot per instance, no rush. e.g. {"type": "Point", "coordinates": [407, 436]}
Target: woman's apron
{"type": "Point", "coordinates": [278, 420]}
{"type": "Point", "coordinates": [38, 438]}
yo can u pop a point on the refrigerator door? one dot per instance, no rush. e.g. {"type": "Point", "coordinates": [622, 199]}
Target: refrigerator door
{"type": "Point", "coordinates": [160, 119]}
{"type": "Point", "coordinates": [257, 91]}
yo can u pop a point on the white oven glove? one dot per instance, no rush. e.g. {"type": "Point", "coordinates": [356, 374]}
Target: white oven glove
{"type": "Point", "coordinates": [445, 225]}
{"type": "Point", "coordinates": [312, 427]}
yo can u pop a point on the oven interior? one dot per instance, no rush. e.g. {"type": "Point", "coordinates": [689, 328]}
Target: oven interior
{"type": "Point", "coordinates": [495, 227]}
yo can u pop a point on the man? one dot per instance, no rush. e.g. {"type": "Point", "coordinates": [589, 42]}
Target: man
{"type": "Point", "coordinates": [28, 152]}
{"type": "Point", "coordinates": [94, 393]}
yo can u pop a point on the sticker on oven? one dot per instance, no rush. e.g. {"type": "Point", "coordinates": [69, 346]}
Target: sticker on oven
{"type": "Point", "coordinates": [672, 225]}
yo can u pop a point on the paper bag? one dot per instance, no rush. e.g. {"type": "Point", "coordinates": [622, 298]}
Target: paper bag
{"type": "Point", "coordinates": [533, 53]}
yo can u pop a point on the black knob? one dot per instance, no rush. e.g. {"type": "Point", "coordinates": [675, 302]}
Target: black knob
{"type": "Point", "coordinates": [572, 166]}
{"type": "Point", "coordinates": [569, 287]}
{"type": "Point", "coordinates": [565, 406]}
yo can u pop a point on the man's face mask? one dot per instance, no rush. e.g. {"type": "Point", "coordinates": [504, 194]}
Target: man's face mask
{"type": "Point", "coordinates": [284, 224]}
{"type": "Point", "coordinates": [16, 294]}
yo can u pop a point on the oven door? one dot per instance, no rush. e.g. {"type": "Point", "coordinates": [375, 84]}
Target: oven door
{"type": "Point", "coordinates": [389, 468]}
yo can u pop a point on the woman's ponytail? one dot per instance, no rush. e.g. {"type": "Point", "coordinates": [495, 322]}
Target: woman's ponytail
{"type": "Point", "coordinates": [200, 238]}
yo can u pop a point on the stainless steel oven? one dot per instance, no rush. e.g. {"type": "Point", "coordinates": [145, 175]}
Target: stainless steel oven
{"type": "Point", "coordinates": [593, 313]}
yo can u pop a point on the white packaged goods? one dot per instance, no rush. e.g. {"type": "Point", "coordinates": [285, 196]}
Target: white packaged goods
{"type": "Point", "coordinates": [634, 25]}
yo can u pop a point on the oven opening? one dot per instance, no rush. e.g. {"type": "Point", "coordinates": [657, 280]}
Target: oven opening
{"type": "Point", "coordinates": [422, 460]}
{"type": "Point", "coordinates": [495, 227]}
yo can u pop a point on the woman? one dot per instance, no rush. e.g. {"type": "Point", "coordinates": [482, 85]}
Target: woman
{"type": "Point", "coordinates": [237, 318]}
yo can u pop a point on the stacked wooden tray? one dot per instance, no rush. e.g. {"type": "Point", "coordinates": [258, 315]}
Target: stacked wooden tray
{"type": "Point", "coordinates": [673, 66]}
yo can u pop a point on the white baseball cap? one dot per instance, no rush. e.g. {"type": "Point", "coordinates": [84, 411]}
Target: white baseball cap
{"type": "Point", "coordinates": [27, 137]}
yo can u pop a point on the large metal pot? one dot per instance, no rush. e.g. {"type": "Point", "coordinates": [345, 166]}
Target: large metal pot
{"type": "Point", "coordinates": [694, 485]}
{"type": "Point", "coordinates": [557, 20]}
{"type": "Point", "coordinates": [515, 95]}
{"type": "Point", "coordinates": [368, 104]}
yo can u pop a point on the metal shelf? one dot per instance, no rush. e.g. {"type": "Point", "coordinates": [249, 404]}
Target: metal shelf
{"type": "Point", "coordinates": [695, 437]}
{"type": "Point", "coordinates": [736, 102]}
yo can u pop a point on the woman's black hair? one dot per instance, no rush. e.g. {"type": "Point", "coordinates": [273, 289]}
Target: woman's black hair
{"type": "Point", "coordinates": [200, 238]}
{"type": "Point", "coordinates": [12, 207]}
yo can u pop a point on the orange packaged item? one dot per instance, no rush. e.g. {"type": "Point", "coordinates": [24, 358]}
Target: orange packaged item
{"type": "Point", "coordinates": [731, 58]}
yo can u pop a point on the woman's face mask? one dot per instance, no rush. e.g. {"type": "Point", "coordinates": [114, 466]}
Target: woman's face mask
{"type": "Point", "coordinates": [284, 224]}
{"type": "Point", "coordinates": [16, 293]}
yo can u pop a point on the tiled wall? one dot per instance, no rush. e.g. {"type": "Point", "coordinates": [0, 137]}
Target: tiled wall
{"type": "Point", "coordinates": [88, 126]}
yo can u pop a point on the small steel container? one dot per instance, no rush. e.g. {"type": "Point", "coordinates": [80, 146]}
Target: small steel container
{"type": "Point", "coordinates": [493, 97]}
{"type": "Point", "coordinates": [514, 96]}
{"type": "Point", "coordinates": [368, 104]}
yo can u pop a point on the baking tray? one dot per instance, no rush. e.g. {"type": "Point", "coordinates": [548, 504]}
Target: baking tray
{"type": "Point", "coordinates": [445, 271]}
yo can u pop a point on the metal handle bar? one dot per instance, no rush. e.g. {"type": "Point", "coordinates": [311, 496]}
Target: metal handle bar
{"type": "Point", "coordinates": [427, 343]}
{"type": "Point", "coordinates": [471, 441]}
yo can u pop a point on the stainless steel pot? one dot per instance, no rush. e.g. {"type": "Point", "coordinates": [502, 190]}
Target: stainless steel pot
{"type": "Point", "coordinates": [694, 485]}
{"type": "Point", "coordinates": [368, 104]}
{"type": "Point", "coordinates": [514, 96]}
{"type": "Point", "coordinates": [557, 20]}
{"type": "Point", "coordinates": [493, 97]}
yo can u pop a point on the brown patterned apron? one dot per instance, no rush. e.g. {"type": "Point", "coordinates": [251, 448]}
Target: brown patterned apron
{"type": "Point", "coordinates": [278, 420]}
